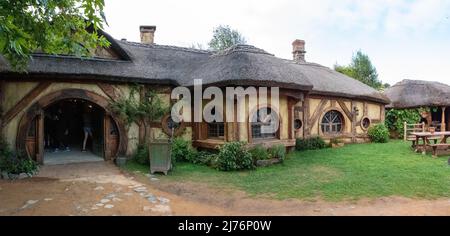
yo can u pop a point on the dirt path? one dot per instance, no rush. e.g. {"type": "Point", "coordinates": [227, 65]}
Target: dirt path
{"type": "Point", "coordinates": [91, 189]}
{"type": "Point", "coordinates": [102, 189]}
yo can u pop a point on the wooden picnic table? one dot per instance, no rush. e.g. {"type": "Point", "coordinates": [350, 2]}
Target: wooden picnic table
{"type": "Point", "coordinates": [426, 136]}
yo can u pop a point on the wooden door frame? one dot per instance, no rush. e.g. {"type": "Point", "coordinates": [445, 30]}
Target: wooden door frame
{"type": "Point", "coordinates": [38, 107]}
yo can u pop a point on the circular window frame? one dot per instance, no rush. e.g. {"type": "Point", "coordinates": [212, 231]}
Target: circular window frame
{"type": "Point", "coordinates": [301, 124]}
{"type": "Point", "coordinates": [361, 123]}
{"type": "Point", "coordinates": [177, 132]}
{"type": "Point", "coordinates": [344, 123]}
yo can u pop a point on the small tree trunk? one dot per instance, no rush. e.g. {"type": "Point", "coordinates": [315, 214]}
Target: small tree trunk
{"type": "Point", "coordinates": [141, 132]}
{"type": "Point", "coordinates": [147, 131]}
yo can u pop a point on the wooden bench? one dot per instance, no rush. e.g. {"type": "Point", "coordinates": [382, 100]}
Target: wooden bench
{"type": "Point", "coordinates": [436, 145]}
{"type": "Point", "coordinates": [420, 127]}
{"type": "Point", "coordinates": [412, 138]}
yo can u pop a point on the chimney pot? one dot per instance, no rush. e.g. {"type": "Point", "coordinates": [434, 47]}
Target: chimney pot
{"type": "Point", "coordinates": [298, 50]}
{"type": "Point", "coordinates": [147, 33]}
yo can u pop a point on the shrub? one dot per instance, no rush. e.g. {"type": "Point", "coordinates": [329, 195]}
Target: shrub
{"type": "Point", "coordinates": [15, 163]}
{"type": "Point", "coordinates": [278, 151]}
{"type": "Point", "coordinates": [141, 155]}
{"type": "Point", "coordinates": [258, 152]}
{"type": "Point", "coordinates": [234, 156]}
{"type": "Point", "coordinates": [204, 158]}
{"type": "Point", "coordinates": [378, 133]}
{"type": "Point", "coordinates": [310, 143]}
{"type": "Point", "coordinates": [182, 150]}
{"type": "Point", "coordinates": [396, 117]}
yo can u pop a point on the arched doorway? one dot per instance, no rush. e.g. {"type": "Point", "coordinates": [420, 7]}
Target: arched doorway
{"type": "Point", "coordinates": [31, 131]}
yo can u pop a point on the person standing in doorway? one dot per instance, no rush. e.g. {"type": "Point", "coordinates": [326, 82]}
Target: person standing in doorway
{"type": "Point", "coordinates": [87, 125]}
{"type": "Point", "coordinates": [62, 129]}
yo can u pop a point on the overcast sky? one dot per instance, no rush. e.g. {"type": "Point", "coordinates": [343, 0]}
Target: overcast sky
{"type": "Point", "coordinates": [405, 39]}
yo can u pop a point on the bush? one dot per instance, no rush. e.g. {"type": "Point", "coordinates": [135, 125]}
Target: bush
{"type": "Point", "coordinates": [234, 156]}
{"type": "Point", "coordinates": [379, 133]}
{"type": "Point", "coordinates": [310, 143]}
{"type": "Point", "coordinates": [204, 158]}
{"type": "Point", "coordinates": [278, 151]}
{"type": "Point", "coordinates": [182, 150]}
{"type": "Point", "coordinates": [15, 163]}
{"type": "Point", "coordinates": [396, 117]}
{"type": "Point", "coordinates": [258, 152]}
{"type": "Point", "coordinates": [141, 155]}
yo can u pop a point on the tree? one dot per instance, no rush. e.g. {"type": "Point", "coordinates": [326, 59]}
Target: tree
{"type": "Point", "coordinates": [141, 111]}
{"type": "Point", "coordinates": [361, 69]}
{"type": "Point", "coordinates": [225, 37]}
{"type": "Point", "coordinates": [346, 70]}
{"type": "Point", "coordinates": [49, 26]}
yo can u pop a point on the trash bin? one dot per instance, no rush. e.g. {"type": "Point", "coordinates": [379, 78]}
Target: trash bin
{"type": "Point", "coordinates": [160, 156]}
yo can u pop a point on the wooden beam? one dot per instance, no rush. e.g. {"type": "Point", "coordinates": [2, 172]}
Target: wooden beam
{"type": "Point", "coordinates": [109, 90]}
{"type": "Point", "coordinates": [353, 119]}
{"type": "Point", "coordinates": [345, 109]}
{"type": "Point", "coordinates": [443, 119]}
{"type": "Point", "coordinates": [306, 117]}
{"type": "Point", "coordinates": [24, 102]}
{"type": "Point", "coordinates": [2, 100]}
{"type": "Point", "coordinates": [366, 109]}
{"type": "Point", "coordinates": [332, 103]}
{"type": "Point", "coordinates": [317, 113]}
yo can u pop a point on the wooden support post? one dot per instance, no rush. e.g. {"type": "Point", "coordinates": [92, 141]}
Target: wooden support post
{"type": "Point", "coordinates": [443, 119]}
{"type": "Point", "coordinates": [2, 96]}
{"type": "Point", "coordinates": [353, 119]}
{"type": "Point", "coordinates": [404, 131]}
{"type": "Point", "coordinates": [306, 117]}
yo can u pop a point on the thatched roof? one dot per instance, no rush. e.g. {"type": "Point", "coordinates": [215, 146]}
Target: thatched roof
{"type": "Point", "coordinates": [418, 93]}
{"type": "Point", "coordinates": [159, 64]}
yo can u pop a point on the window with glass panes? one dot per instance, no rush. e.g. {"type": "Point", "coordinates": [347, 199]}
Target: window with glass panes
{"type": "Point", "coordinates": [332, 122]}
{"type": "Point", "coordinates": [263, 117]}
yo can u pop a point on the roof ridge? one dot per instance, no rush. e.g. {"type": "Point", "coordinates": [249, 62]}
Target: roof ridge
{"type": "Point", "coordinates": [171, 47]}
{"type": "Point", "coordinates": [419, 82]}
{"type": "Point", "coordinates": [241, 48]}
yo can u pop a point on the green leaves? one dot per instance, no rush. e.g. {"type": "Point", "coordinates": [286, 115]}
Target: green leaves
{"type": "Point", "coordinates": [234, 156]}
{"type": "Point", "coordinates": [378, 133]}
{"type": "Point", "coordinates": [396, 117]}
{"type": "Point", "coordinates": [131, 109]}
{"type": "Point", "coordinates": [361, 69]}
{"type": "Point", "coordinates": [49, 26]}
{"type": "Point", "coordinates": [225, 37]}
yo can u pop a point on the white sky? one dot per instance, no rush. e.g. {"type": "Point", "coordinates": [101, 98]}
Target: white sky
{"type": "Point", "coordinates": [405, 39]}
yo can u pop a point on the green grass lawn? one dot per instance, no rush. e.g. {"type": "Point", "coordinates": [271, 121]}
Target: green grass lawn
{"type": "Point", "coordinates": [351, 172]}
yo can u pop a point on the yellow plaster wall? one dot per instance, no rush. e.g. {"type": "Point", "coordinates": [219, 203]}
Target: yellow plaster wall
{"type": "Point", "coordinates": [10, 130]}
{"type": "Point", "coordinates": [373, 112]}
{"type": "Point", "coordinates": [15, 91]}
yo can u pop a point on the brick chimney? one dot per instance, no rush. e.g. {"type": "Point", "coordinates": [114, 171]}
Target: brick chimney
{"type": "Point", "coordinates": [298, 50]}
{"type": "Point", "coordinates": [147, 33]}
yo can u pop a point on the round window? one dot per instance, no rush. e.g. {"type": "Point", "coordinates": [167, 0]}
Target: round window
{"type": "Point", "coordinates": [365, 123]}
{"type": "Point", "coordinates": [332, 122]}
{"type": "Point", "coordinates": [298, 124]}
{"type": "Point", "coordinates": [169, 126]}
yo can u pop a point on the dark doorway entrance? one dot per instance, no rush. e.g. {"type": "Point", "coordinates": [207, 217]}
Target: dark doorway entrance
{"type": "Point", "coordinates": [64, 132]}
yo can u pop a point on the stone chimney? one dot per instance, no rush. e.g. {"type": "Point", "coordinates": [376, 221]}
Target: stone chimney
{"type": "Point", "coordinates": [147, 33]}
{"type": "Point", "coordinates": [298, 50]}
